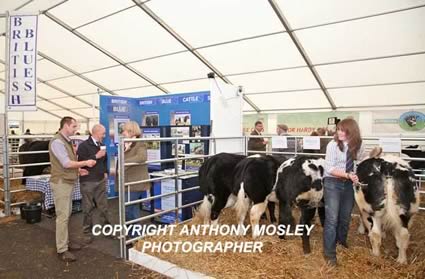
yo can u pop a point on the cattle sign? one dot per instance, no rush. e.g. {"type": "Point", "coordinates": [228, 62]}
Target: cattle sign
{"type": "Point", "coordinates": [21, 58]}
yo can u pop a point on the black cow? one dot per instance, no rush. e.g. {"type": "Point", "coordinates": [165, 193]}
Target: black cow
{"type": "Point", "coordinates": [34, 158]}
{"type": "Point", "coordinates": [216, 181]}
{"type": "Point", "coordinates": [254, 180]}
{"type": "Point", "coordinates": [300, 183]}
{"type": "Point", "coordinates": [387, 196]}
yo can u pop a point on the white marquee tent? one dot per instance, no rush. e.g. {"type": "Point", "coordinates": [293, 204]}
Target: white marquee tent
{"type": "Point", "coordinates": [289, 55]}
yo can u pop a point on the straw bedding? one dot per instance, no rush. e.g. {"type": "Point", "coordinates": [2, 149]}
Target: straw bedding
{"type": "Point", "coordinates": [24, 196]}
{"type": "Point", "coordinates": [285, 259]}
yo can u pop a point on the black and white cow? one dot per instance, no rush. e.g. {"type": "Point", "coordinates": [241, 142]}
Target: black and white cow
{"type": "Point", "coordinates": [216, 182]}
{"type": "Point", "coordinates": [254, 180]}
{"type": "Point", "coordinates": [387, 196]}
{"type": "Point", "coordinates": [300, 183]}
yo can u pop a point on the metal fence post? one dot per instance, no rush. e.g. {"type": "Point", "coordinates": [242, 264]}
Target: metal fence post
{"type": "Point", "coordinates": [176, 180]}
{"type": "Point", "coordinates": [296, 146]}
{"type": "Point", "coordinates": [121, 197]}
{"type": "Point", "coordinates": [6, 180]}
{"type": "Point", "coordinates": [246, 145]}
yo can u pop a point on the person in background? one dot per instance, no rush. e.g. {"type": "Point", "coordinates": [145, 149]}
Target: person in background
{"type": "Point", "coordinates": [93, 185]}
{"type": "Point", "coordinates": [321, 132]}
{"type": "Point", "coordinates": [257, 144]}
{"type": "Point", "coordinates": [64, 174]}
{"type": "Point", "coordinates": [338, 185]}
{"type": "Point", "coordinates": [282, 130]}
{"type": "Point", "coordinates": [134, 152]}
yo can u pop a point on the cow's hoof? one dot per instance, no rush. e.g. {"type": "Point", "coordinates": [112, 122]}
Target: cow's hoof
{"type": "Point", "coordinates": [376, 252]}
{"type": "Point", "coordinates": [281, 236]}
{"type": "Point", "coordinates": [239, 232]}
{"type": "Point", "coordinates": [401, 260]}
{"type": "Point", "coordinates": [361, 229]}
{"type": "Point", "coordinates": [306, 251]}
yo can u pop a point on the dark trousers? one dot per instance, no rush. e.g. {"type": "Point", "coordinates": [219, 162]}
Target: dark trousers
{"type": "Point", "coordinates": [339, 202]}
{"type": "Point", "coordinates": [94, 195]}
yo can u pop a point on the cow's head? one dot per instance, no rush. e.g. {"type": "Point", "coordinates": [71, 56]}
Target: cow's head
{"type": "Point", "coordinates": [411, 120]}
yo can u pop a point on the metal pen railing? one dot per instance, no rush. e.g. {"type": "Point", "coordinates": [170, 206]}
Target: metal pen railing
{"type": "Point", "coordinates": [126, 186]}
{"type": "Point", "coordinates": [11, 164]}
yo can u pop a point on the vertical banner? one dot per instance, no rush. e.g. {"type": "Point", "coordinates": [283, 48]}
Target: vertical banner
{"type": "Point", "coordinates": [21, 56]}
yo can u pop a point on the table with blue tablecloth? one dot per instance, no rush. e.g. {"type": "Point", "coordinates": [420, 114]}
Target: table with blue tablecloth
{"type": "Point", "coordinates": [42, 184]}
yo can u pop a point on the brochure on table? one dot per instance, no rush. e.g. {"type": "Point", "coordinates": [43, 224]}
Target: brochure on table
{"type": "Point", "coordinates": [152, 113]}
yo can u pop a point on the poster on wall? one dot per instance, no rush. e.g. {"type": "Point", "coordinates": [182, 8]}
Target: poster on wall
{"type": "Point", "coordinates": [182, 118]}
{"type": "Point", "coordinates": [150, 118]}
{"type": "Point", "coordinates": [193, 164]}
{"type": "Point", "coordinates": [118, 125]}
{"type": "Point", "coordinates": [180, 149]}
{"type": "Point", "coordinates": [153, 147]}
{"type": "Point", "coordinates": [196, 131]}
{"type": "Point", "coordinates": [180, 132]}
{"type": "Point", "coordinates": [197, 148]}
{"type": "Point", "coordinates": [398, 122]}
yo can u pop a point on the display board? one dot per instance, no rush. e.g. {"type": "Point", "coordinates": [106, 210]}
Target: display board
{"type": "Point", "coordinates": [155, 115]}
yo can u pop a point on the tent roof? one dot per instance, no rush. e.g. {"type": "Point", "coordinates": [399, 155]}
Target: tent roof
{"type": "Point", "coordinates": [287, 54]}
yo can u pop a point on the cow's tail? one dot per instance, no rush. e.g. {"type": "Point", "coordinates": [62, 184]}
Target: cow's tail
{"type": "Point", "coordinates": [204, 210]}
{"type": "Point", "coordinates": [207, 187]}
{"type": "Point", "coordinates": [242, 203]}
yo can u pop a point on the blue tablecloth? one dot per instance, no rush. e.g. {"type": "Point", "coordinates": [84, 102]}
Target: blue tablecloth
{"type": "Point", "coordinates": [42, 184]}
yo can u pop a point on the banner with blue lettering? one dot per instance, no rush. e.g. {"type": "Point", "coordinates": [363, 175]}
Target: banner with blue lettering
{"type": "Point", "coordinates": [21, 60]}
{"type": "Point", "coordinates": [151, 113]}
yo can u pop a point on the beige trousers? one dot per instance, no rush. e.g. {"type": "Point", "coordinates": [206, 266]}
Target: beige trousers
{"type": "Point", "coordinates": [62, 196]}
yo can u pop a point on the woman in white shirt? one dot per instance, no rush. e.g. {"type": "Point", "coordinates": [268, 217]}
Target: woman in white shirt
{"type": "Point", "coordinates": [341, 152]}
